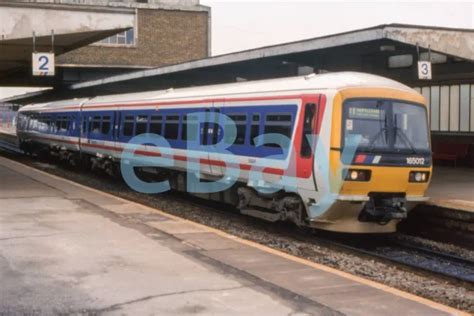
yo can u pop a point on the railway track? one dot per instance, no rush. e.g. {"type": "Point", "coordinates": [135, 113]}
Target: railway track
{"type": "Point", "coordinates": [410, 255]}
{"type": "Point", "coordinates": [401, 253]}
{"type": "Point", "coordinates": [8, 147]}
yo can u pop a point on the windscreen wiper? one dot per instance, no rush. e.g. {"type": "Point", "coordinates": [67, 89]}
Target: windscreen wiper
{"type": "Point", "coordinates": [399, 131]}
{"type": "Point", "coordinates": [377, 136]}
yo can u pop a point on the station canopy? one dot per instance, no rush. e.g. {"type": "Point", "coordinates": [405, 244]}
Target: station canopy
{"type": "Point", "coordinates": [29, 27]}
{"type": "Point", "coordinates": [387, 50]}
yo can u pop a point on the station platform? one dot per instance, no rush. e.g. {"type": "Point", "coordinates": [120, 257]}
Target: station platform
{"type": "Point", "coordinates": [66, 248]}
{"type": "Point", "coordinates": [452, 188]}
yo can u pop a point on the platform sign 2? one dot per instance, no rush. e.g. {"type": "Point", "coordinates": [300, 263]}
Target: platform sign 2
{"type": "Point", "coordinates": [424, 70]}
{"type": "Point", "coordinates": [43, 64]}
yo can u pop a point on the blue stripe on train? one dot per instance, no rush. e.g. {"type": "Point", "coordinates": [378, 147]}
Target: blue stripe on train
{"type": "Point", "coordinates": [85, 119]}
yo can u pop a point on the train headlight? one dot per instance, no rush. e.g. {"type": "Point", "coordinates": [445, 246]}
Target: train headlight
{"type": "Point", "coordinates": [419, 176]}
{"type": "Point", "coordinates": [357, 175]}
{"type": "Point", "coordinates": [354, 175]}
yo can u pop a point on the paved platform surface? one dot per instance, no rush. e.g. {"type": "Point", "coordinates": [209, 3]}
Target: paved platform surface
{"type": "Point", "coordinates": [65, 248]}
{"type": "Point", "coordinates": [452, 188]}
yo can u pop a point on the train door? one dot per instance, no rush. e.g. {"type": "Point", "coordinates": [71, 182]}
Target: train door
{"type": "Point", "coordinates": [125, 129]}
{"type": "Point", "coordinates": [312, 109]}
{"type": "Point", "coordinates": [82, 125]}
{"type": "Point", "coordinates": [239, 145]}
{"type": "Point", "coordinates": [214, 136]}
{"type": "Point", "coordinates": [206, 139]}
{"type": "Point", "coordinates": [116, 130]}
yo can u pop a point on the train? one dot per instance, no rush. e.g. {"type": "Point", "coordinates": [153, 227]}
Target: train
{"type": "Point", "coordinates": [356, 147]}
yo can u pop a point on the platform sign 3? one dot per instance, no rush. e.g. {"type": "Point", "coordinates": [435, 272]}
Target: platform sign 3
{"type": "Point", "coordinates": [424, 70]}
{"type": "Point", "coordinates": [43, 64]}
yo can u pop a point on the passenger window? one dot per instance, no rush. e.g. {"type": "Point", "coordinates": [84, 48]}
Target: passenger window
{"type": "Point", "coordinates": [141, 126]}
{"type": "Point", "coordinates": [128, 126]}
{"type": "Point", "coordinates": [278, 124]}
{"type": "Point", "coordinates": [95, 126]}
{"type": "Point", "coordinates": [58, 123]}
{"type": "Point", "coordinates": [43, 125]}
{"type": "Point", "coordinates": [172, 127]}
{"type": "Point", "coordinates": [255, 128]}
{"type": "Point", "coordinates": [65, 123]}
{"type": "Point", "coordinates": [190, 121]}
{"type": "Point", "coordinates": [47, 122]}
{"type": "Point", "coordinates": [308, 129]}
{"type": "Point", "coordinates": [155, 124]}
{"type": "Point", "coordinates": [105, 125]}
{"type": "Point", "coordinates": [240, 121]}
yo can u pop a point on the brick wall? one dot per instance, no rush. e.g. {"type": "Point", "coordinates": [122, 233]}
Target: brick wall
{"type": "Point", "coordinates": [163, 37]}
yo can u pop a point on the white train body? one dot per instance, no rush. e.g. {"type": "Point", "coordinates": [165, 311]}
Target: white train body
{"type": "Point", "coordinates": [98, 129]}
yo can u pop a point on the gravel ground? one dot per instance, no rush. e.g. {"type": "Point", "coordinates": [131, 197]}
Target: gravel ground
{"type": "Point", "coordinates": [439, 246]}
{"type": "Point", "coordinates": [287, 238]}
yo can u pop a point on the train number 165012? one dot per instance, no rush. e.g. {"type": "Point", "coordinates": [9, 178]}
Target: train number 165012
{"type": "Point", "coordinates": [415, 160]}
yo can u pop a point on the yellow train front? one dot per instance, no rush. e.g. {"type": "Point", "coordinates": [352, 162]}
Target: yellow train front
{"type": "Point", "coordinates": [379, 159]}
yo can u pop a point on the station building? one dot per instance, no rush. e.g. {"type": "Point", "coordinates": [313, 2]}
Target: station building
{"type": "Point", "coordinates": [96, 39]}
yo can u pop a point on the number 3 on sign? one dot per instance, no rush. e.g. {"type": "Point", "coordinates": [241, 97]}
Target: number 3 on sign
{"type": "Point", "coordinates": [424, 70]}
{"type": "Point", "coordinates": [43, 64]}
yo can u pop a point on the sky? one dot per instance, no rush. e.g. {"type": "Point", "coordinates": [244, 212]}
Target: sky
{"type": "Point", "coordinates": [245, 24]}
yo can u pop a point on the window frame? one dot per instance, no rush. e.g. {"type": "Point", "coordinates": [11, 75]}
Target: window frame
{"type": "Point", "coordinates": [268, 123]}
{"type": "Point", "coordinates": [146, 121]}
{"type": "Point", "coordinates": [244, 123]}
{"type": "Point", "coordinates": [176, 120]}
{"type": "Point", "coordinates": [127, 119]}
{"type": "Point", "coordinates": [106, 42]}
{"type": "Point", "coordinates": [154, 120]}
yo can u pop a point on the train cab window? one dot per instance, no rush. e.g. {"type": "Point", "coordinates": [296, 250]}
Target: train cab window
{"type": "Point", "coordinates": [190, 122]}
{"type": "Point", "coordinates": [156, 122]}
{"type": "Point", "coordinates": [128, 125]}
{"type": "Point", "coordinates": [172, 127]}
{"type": "Point", "coordinates": [106, 124]}
{"type": "Point", "coordinates": [278, 124]}
{"type": "Point", "coordinates": [141, 125]}
{"type": "Point", "coordinates": [240, 121]}
{"type": "Point", "coordinates": [95, 126]}
{"type": "Point", "coordinates": [254, 128]}
{"type": "Point", "coordinates": [308, 129]}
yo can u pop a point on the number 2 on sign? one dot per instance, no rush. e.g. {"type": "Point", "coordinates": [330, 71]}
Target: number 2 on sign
{"type": "Point", "coordinates": [44, 60]}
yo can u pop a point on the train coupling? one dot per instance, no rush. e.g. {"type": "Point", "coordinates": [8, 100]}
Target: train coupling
{"type": "Point", "coordinates": [383, 209]}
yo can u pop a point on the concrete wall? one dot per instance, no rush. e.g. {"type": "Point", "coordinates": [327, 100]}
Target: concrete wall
{"type": "Point", "coordinates": [162, 37]}
{"type": "Point", "coordinates": [19, 22]}
{"type": "Point", "coordinates": [170, 4]}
